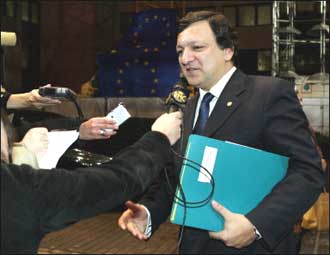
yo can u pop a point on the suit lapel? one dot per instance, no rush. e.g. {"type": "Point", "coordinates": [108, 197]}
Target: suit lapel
{"type": "Point", "coordinates": [226, 104]}
{"type": "Point", "coordinates": [224, 108]}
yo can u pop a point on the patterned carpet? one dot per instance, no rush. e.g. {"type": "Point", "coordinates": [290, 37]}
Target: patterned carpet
{"type": "Point", "coordinates": [101, 234]}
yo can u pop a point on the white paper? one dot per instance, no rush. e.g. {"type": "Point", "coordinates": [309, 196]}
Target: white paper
{"type": "Point", "coordinates": [119, 114]}
{"type": "Point", "coordinates": [59, 142]}
{"type": "Point", "coordinates": [208, 162]}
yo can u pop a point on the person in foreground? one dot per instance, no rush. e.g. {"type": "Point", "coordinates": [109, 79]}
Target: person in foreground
{"type": "Point", "coordinates": [36, 202]}
{"type": "Point", "coordinates": [255, 111]}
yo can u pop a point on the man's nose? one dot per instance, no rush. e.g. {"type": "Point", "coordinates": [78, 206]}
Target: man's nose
{"type": "Point", "coordinates": [187, 56]}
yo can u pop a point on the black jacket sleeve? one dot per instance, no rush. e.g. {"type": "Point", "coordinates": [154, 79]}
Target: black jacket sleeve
{"type": "Point", "coordinates": [60, 197]}
{"type": "Point", "coordinates": [159, 197]}
{"type": "Point", "coordinates": [286, 132]}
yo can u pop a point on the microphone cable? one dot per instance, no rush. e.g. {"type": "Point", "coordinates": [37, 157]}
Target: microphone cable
{"type": "Point", "coordinates": [177, 100]}
{"type": "Point", "coordinates": [73, 99]}
{"type": "Point", "coordinates": [183, 201]}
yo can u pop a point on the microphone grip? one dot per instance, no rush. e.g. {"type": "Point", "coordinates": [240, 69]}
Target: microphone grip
{"type": "Point", "coordinates": [172, 108]}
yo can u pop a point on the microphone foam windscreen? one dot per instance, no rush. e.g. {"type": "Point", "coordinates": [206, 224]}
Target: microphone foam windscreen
{"type": "Point", "coordinates": [8, 38]}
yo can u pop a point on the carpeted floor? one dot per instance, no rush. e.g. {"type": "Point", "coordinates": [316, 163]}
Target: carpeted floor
{"type": "Point", "coordinates": [101, 235]}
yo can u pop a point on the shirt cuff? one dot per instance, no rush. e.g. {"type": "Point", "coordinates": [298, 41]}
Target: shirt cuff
{"type": "Point", "coordinates": [258, 235]}
{"type": "Point", "coordinates": [148, 229]}
{"type": "Point", "coordinates": [4, 99]}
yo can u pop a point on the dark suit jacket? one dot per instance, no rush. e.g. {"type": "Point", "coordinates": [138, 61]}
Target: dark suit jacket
{"type": "Point", "coordinates": [265, 114]}
{"type": "Point", "coordinates": [35, 202]}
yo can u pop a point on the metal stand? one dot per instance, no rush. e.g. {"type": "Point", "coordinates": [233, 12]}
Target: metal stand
{"type": "Point", "coordinates": [282, 62]}
{"type": "Point", "coordinates": [284, 42]}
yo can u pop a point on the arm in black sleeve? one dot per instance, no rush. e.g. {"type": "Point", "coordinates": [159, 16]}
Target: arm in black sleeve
{"type": "Point", "coordinates": [159, 197]}
{"type": "Point", "coordinates": [62, 197]}
{"type": "Point", "coordinates": [4, 98]}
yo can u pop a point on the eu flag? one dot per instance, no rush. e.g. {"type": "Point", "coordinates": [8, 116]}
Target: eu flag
{"type": "Point", "coordinates": [145, 63]}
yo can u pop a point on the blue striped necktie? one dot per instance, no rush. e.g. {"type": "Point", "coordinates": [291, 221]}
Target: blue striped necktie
{"type": "Point", "coordinates": [203, 113]}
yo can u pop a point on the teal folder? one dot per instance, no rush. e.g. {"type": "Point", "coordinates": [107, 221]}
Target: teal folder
{"type": "Point", "coordinates": [242, 175]}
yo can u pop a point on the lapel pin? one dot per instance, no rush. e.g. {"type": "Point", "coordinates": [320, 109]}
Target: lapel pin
{"type": "Point", "coordinates": [229, 104]}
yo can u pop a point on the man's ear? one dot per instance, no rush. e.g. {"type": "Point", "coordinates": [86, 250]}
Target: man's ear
{"type": "Point", "coordinates": [228, 54]}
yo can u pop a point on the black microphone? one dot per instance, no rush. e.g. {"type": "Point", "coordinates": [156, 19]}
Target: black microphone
{"type": "Point", "coordinates": [178, 97]}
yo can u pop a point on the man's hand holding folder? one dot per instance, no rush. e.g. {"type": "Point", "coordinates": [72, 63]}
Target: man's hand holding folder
{"type": "Point", "coordinates": [242, 177]}
{"type": "Point", "coordinates": [238, 231]}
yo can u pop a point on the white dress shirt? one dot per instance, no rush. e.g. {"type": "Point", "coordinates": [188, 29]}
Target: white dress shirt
{"type": "Point", "coordinates": [216, 91]}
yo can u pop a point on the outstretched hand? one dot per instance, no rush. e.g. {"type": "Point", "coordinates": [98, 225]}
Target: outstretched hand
{"type": "Point", "coordinates": [36, 100]}
{"type": "Point", "coordinates": [134, 220]}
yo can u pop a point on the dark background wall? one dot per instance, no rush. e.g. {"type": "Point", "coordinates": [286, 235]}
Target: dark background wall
{"type": "Point", "coordinates": [57, 41]}
{"type": "Point", "coordinates": [67, 42]}
{"type": "Point", "coordinates": [60, 46]}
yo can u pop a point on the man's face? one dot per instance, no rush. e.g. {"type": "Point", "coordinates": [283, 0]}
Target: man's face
{"type": "Point", "coordinates": [202, 62]}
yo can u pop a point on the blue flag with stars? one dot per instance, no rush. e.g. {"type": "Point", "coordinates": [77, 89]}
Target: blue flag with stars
{"type": "Point", "coordinates": [145, 64]}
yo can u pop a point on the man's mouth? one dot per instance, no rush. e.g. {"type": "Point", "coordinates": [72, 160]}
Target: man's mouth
{"type": "Point", "coordinates": [191, 69]}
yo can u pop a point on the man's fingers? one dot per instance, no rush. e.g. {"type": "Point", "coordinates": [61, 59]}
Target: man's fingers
{"type": "Point", "coordinates": [221, 209]}
{"type": "Point", "coordinates": [218, 235]}
{"type": "Point", "coordinates": [122, 221]}
{"type": "Point", "coordinates": [131, 227]}
{"type": "Point", "coordinates": [135, 231]}
{"type": "Point", "coordinates": [103, 123]}
{"type": "Point", "coordinates": [104, 120]}
{"type": "Point", "coordinates": [133, 206]}
{"type": "Point", "coordinates": [178, 114]}
{"type": "Point", "coordinates": [122, 224]}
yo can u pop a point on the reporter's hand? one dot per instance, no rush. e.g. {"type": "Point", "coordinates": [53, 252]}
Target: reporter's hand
{"type": "Point", "coordinates": [36, 140]}
{"type": "Point", "coordinates": [238, 231]}
{"type": "Point", "coordinates": [34, 98]}
{"type": "Point", "coordinates": [134, 220]}
{"type": "Point", "coordinates": [170, 125]}
{"type": "Point", "coordinates": [97, 128]}
{"type": "Point", "coordinates": [28, 99]}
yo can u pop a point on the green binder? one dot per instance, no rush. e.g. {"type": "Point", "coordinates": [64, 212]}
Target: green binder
{"type": "Point", "coordinates": [242, 175]}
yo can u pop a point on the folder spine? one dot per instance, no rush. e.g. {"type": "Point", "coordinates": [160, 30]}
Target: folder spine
{"type": "Point", "coordinates": [177, 193]}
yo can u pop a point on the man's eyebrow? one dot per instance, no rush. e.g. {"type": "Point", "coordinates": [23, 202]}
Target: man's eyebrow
{"type": "Point", "coordinates": [189, 43]}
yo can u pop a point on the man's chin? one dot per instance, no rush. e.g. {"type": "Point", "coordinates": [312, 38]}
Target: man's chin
{"type": "Point", "coordinates": [193, 82]}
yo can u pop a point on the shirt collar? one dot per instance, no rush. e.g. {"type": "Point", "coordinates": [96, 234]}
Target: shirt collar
{"type": "Point", "coordinates": [217, 89]}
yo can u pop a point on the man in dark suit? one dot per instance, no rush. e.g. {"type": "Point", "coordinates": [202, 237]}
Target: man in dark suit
{"type": "Point", "coordinates": [260, 112]}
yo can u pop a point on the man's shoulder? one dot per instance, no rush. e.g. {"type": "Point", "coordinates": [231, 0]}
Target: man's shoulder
{"type": "Point", "coordinates": [268, 82]}
{"type": "Point", "coordinates": [258, 80]}
{"type": "Point", "coordinates": [267, 79]}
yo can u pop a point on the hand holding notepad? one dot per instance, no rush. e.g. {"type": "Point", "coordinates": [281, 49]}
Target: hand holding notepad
{"type": "Point", "coordinates": [119, 114]}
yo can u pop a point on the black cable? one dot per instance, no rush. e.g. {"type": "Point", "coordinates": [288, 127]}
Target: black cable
{"type": "Point", "coordinates": [183, 201]}
{"type": "Point", "coordinates": [79, 111]}
{"type": "Point", "coordinates": [195, 204]}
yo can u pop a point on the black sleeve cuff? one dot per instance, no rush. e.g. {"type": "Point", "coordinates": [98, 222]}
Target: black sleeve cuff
{"type": "Point", "coordinates": [4, 99]}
